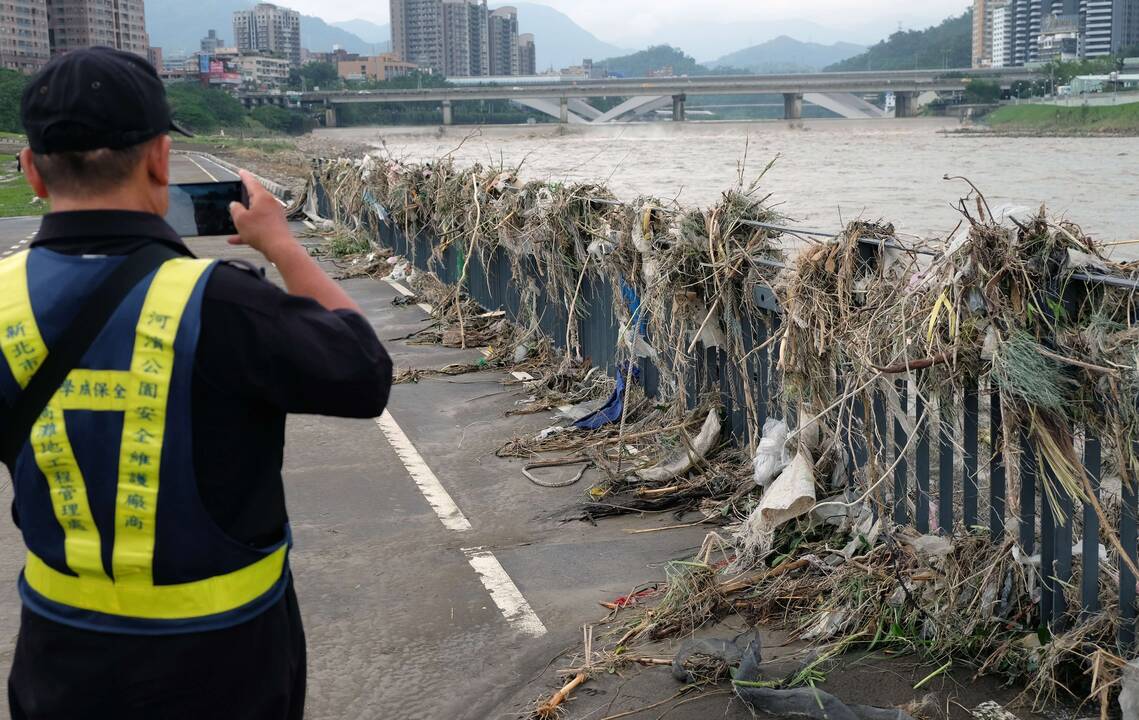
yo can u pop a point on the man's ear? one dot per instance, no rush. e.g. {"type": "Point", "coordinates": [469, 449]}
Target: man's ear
{"type": "Point", "coordinates": [158, 160]}
{"type": "Point", "coordinates": [31, 174]}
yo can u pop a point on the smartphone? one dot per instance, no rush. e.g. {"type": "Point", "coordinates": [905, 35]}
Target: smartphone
{"type": "Point", "coordinates": [202, 209]}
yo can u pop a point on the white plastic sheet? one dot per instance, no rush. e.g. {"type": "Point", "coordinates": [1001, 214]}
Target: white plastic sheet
{"type": "Point", "coordinates": [771, 457]}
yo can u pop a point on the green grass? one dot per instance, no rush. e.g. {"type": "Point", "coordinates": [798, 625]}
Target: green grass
{"type": "Point", "coordinates": [1051, 118]}
{"type": "Point", "coordinates": [16, 198]}
{"type": "Point", "coordinates": [269, 146]}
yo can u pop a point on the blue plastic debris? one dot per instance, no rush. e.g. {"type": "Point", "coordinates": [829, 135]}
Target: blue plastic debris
{"type": "Point", "coordinates": [611, 411]}
{"type": "Point", "coordinates": [634, 304]}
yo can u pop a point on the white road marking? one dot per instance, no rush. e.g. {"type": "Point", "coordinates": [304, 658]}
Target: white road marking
{"type": "Point", "coordinates": [207, 172]}
{"type": "Point", "coordinates": [504, 592]}
{"type": "Point", "coordinates": [437, 496]}
{"type": "Point", "coordinates": [224, 170]}
{"type": "Point", "coordinates": [399, 287]}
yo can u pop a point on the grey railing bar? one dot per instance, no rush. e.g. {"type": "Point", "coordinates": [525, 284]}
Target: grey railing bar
{"type": "Point", "coordinates": [1129, 283]}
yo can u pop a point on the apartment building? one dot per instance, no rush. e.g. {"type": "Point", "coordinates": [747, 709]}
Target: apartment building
{"type": "Point", "coordinates": [211, 42]}
{"type": "Point", "coordinates": [75, 24]}
{"type": "Point", "coordinates": [268, 30]}
{"type": "Point", "coordinates": [503, 44]}
{"type": "Point", "coordinates": [376, 68]}
{"type": "Point", "coordinates": [1001, 34]}
{"type": "Point", "coordinates": [982, 33]}
{"type": "Point", "coordinates": [466, 42]}
{"type": "Point", "coordinates": [527, 55]}
{"type": "Point", "coordinates": [417, 32]}
{"type": "Point", "coordinates": [24, 42]}
{"type": "Point", "coordinates": [1021, 32]}
{"type": "Point", "coordinates": [263, 70]}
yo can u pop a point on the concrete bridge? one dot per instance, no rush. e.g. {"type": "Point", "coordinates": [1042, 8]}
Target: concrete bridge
{"type": "Point", "coordinates": [567, 99]}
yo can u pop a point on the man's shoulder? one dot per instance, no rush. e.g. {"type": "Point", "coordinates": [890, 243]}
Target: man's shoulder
{"type": "Point", "coordinates": [241, 283]}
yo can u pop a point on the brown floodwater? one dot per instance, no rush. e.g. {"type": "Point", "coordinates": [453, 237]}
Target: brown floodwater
{"type": "Point", "coordinates": [828, 171]}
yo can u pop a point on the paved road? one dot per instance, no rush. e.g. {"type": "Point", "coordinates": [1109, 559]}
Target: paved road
{"type": "Point", "coordinates": [409, 612]}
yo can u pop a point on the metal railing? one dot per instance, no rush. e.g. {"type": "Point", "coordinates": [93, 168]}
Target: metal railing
{"type": "Point", "coordinates": [940, 479]}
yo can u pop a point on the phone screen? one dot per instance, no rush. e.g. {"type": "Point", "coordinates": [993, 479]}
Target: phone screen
{"type": "Point", "coordinates": [202, 209]}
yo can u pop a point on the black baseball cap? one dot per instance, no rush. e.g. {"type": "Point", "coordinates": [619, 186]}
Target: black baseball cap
{"type": "Point", "coordinates": [95, 98]}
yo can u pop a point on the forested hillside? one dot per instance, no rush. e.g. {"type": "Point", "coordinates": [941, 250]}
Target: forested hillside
{"type": "Point", "coordinates": [949, 44]}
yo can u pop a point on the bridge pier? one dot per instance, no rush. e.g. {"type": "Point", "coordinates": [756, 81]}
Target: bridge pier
{"type": "Point", "coordinates": [903, 104]}
{"type": "Point", "coordinates": [792, 106]}
{"type": "Point", "coordinates": [448, 113]}
{"type": "Point", "coordinates": [563, 111]}
{"type": "Point", "coordinates": [330, 116]}
{"type": "Point", "coordinates": [678, 107]}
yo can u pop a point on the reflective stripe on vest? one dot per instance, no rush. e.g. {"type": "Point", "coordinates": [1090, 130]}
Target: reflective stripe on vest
{"type": "Point", "coordinates": [141, 394]}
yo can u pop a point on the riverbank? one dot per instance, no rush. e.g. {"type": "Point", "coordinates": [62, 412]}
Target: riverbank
{"type": "Point", "coordinates": [1060, 121]}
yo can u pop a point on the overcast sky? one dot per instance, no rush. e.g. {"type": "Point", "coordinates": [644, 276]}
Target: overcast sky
{"type": "Point", "coordinates": [625, 21]}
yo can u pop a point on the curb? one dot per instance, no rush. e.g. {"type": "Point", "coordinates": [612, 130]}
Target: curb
{"type": "Point", "coordinates": [282, 193]}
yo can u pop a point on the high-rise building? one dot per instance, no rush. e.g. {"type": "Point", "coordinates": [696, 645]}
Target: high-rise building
{"type": "Point", "coordinates": [982, 33]}
{"type": "Point", "coordinates": [466, 51]}
{"type": "Point", "coordinates": [1041, 30]}
{"type": "Point", "coordinates": [527, 55]}
{"type": "Point", "coordinates": [417, 32]}
{"type": "Point", "coordinates": [154, 55]}
{"type": "Point", "coordinates": [1001, 33]}
{"type": "Point", "coordinates": [268, 29]}
{"type": "Point", "coordinates": [1109, 26]}
{"type": "Point", "coordinates": [211, 42]}
{"type": "Point", "coordinates": [504, 41]}
{"type": "Point", "coordinates": [24, 42]}
{"type": "Point", "coordinates": [75, 24]}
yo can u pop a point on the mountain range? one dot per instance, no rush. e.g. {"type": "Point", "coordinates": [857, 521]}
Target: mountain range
{"type": "Point", "coordinates": [786, 54]}
{"type": "Point", "coordinates": [177, 26]}
{"type": "Point", "coordinates": [560, 41]}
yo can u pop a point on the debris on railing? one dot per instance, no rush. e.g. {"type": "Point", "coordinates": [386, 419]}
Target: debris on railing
{"type": "Point", "coordinates": [877, 349]}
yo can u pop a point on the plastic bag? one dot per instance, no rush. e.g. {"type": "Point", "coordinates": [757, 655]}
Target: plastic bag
{"type": "Point", "coordinates": [771, 456]}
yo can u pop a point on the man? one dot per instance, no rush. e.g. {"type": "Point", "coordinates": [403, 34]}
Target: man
{"type": "Point", "coordinates": [148, 490]}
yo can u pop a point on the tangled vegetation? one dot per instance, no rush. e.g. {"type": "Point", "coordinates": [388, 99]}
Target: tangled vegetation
{"type": "Point", "coordinates": [1026, 313]}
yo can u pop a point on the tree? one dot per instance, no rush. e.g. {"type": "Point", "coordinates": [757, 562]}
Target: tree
{"type": "Point", "coordinates": [949, 44]}
{"type": "Point", "coordinates": [204, 109]}
{"type": "Point", "coordinates": [11, 88]}
{"type": "Point", "coordinates": [655, 58]}
{"type": "Point", "coordinates": [980, 92]}
{"type": "Point", "coordinates": [411, 81]}
{"type": "Point", "coordinates": [315, 74]}
{"type": "Point", "coordinates": [282, 120]}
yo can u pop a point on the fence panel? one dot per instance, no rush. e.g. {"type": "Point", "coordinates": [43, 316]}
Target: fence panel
{"type": "Point", "coordinates": [880, 428]}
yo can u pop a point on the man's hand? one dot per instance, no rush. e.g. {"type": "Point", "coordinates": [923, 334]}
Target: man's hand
{"type": "Point", "coordinates": [262, 226]}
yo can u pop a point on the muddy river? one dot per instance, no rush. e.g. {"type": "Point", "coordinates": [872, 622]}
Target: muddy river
{"type": "Point", "coordinates": [827, 172]}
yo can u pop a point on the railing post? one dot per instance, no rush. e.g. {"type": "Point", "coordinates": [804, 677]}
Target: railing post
{"type": "Point", "coordinates": [901, 469]}
{"type": "Point", "coordinates": [945, 431]}
{"type": "Point", "coordinates": [921, 457]}
{"type": "Point", "coordinates": [1127, 537]}
{"type": "Point", "coordinates": [969, 456]}
{"type": "Point", "coordinates": [998, 487]}
{"type": "Point", "coordinates": [1090, 580]}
